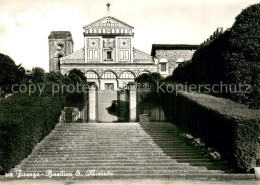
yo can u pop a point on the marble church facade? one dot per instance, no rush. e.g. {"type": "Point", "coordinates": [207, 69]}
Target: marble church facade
{"type": "Point", "coordinates": [108, 57]}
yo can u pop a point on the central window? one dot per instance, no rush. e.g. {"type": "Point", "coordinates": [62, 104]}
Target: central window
{"type": "Point", "coordinates": [163, 67]}
{"type": "Point", "coordinates": [109, 86]}
{"type": "Point", "coordinates": [109, 55]}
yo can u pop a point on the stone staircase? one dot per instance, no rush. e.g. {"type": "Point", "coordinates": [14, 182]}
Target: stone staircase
{"type": "Point", "coordinates": [173, 143]}
{"type": "Point", "coordinates": [120, 151]}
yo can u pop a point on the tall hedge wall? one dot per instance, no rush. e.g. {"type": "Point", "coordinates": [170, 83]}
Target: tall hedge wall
{"type": "Point", "coordinates": [231, 128]}
{"type": "Point", "coordinates": [207, 65]}
{"type": "Point", "coordinates": [24, 121]}
{"type": "Point", "coordinates": [232, 58]}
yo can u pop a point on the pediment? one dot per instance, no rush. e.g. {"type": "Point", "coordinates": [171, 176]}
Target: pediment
{"type": "Point", "coordinates": [108, 22]}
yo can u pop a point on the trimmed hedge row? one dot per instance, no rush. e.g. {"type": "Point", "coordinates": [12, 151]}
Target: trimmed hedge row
{"type": "Point", "coordinates": [233, 58]}
{"type": "Point", "coordinates": [231, 128]}
{"type": "Point", "coordinates": [24, 121]}
{"type": "Point", "coordinates": [207, 65]}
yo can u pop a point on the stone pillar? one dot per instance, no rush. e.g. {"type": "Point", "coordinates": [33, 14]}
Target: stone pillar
{"type": "Point", "coordinates": [92, 98]}
{"type": "Point", "coordinates": [132, 101]}
{"type": "Point", "coordinates": [85, 110]}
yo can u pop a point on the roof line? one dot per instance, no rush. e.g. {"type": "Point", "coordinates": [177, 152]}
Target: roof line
{"type": "Point", "coordinates": [172, 46]}
{"type": "Point", "coordinates": [105, 18]}
{"type": "Point", "coordinates": [72, 53]}
{"type": "Point", "coordinates": [142, 52]}
{"type": "Point", "coordinates": [175, 45]}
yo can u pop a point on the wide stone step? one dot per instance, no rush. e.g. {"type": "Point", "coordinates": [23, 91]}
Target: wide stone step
{"type": "Point", "coordinates": [100, 135]}
{"type": "Point", "coordinates": [105, 144]}
{"type": "Point", "coordinates": [84, 155]}
{"type": "Point", "coordinates": [114, 152]}
{"type": "Point", "coordinates": [120, 142]}
{"type": "Point", "coordinates": [107, 158]}
{"type": "Point", "coordinates": [112, 167]}
{"type": "Point", "coordinates": [106, 132]}
{"type": "Point", "coordinates": [87, 161]}
{"type": "Point", "coordinates": [104, 149]}
{"type": "Point", "coordinates": [97, 152]}
{"type": "Point", "coordinates": [212, 165]}
{"type": "Point", "coordinates": [94, 154]}
{"type": "Point", "coordinates": [118, 147]}
{"type": "Point", "coordinates": [86, 138]}
{"type": "Point", "coordinates": [112, 155]}
{"type": "Point", "coordinates": [41, 157]}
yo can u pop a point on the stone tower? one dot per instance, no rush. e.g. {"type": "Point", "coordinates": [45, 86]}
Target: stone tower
{"type": "Point", "coordinates": [60, 45]}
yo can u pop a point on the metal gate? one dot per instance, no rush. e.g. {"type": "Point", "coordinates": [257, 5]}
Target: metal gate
{"type": "Point", "coordinates": [76, 107]}
{"type": "Point", "coordinates": [148, 105]}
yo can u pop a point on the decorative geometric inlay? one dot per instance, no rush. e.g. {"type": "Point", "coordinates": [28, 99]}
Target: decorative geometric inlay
{"type": "Point", "coordinates": [118, 71]}
{"type": "Point", "coordinates": [109, 43]}
{"type": "Point", "coordinates": [76, 55]}
{"type": "Point", "coordinates": [99, 71]}
{"type": "Point", "coordinates": [136, 71]}
{"type": "Point", "coordinates": [124, 43]}
{"type": "Point", "coordinates": [93, 43]}
{"type": "Point", "coordinates": [141, 55]}
{"type": "Point", "coordinates": [108, 23]}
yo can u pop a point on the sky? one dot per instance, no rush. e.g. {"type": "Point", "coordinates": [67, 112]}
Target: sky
{"type": "Point", "coordinates": [26, 24]}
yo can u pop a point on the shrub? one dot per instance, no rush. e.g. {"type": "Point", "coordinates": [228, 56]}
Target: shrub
{"type": "Point", "coordinates": [24, 121]}
{"type": "Point", "coordinates": [38, 75]}
{"type": "Point", "coordinates": [150, 78]}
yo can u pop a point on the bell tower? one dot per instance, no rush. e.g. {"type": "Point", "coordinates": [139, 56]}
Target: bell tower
{"type": "Point", "coordinates": [60, 45]}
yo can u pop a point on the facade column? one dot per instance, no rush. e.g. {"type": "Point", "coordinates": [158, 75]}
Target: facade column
{"type": "Point", "coordinates": [132, 101]}
{"type": "Point", "coordinates": [92, 102]}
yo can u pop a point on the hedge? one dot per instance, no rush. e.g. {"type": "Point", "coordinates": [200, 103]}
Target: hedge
{"type": "Point", "coordinates": [231, 128]}
{"type": "Point", "coordinates": [233, 58]}
{"type": "Point", "coordinates": [207, 65]}
{"type": "Point", "coordinates": [24, 121]}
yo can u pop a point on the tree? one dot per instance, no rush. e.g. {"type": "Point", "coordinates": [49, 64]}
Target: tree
{"type": "Point", "coordinates": [76, 76]}
{"type": "Point", "coordinates": [56, 77]}
{"type": "Point", "coordinates": [150, 78]}
{"type": "Point", "coordinates": [38, 75]}
{"type": "Point", "coordinates": [9, 74]}
{"type": "Point", "coordinates": [22, 74]}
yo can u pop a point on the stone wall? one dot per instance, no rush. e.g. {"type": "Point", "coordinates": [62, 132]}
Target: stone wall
{"type": "Point", "coordinates": [174, 57]}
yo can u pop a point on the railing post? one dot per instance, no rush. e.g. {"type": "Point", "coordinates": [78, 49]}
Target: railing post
{"type": "Point", "coordinates": [132, 101]}
{"type": "Point", "coordinates": [92, 102]}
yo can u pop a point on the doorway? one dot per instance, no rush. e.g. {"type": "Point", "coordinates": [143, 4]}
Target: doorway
{"type": "Point", "coordinates": [109, 86]}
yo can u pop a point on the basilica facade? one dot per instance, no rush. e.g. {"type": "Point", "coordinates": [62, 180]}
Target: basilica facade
{"type": "Point", "coordinates": [108, 57]}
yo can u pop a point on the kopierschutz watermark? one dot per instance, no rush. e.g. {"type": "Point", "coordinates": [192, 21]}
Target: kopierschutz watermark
{"type": "Point", "coordinates": [220, 88]}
